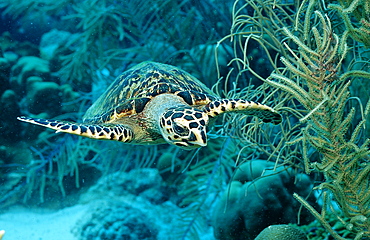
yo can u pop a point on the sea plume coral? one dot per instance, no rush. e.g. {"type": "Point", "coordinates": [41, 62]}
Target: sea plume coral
{"type": "Point", "coordinates": [316, 66]}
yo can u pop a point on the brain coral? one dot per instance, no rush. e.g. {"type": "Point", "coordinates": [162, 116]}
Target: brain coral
{"type": "Point", "coordinates": [281, 232]}
{"type": "Point", "coordinates": [258, 197]}
{"type": "Point", "coordinates": [115, 220]}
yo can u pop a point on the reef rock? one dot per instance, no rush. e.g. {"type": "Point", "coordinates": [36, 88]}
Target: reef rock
{"type": "Point", "coordinates": [43, 96]}
{"type": "Point", "coordinates": [9, 112]}
{"type": "Point", "coordinates": [52, 41]}
{"type": "Point", "coordinates": [131, 205]}
{"type": "Point", "coordinates": [259, 197]}
{"type": "Point", "coordinates": [116, 220]}
{"type": "Point", "coordinates": [4, 74]}
{"type": "Point", "coordinates": [27, 67]}
{"type": "Point", "coordinates": [53, 46]}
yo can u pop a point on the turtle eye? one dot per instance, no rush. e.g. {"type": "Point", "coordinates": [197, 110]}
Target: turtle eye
{"type": "Point", "coordinates": [180, 130]}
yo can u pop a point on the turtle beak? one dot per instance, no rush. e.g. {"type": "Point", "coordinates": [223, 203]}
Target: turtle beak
{"type": "Point", "coordinates": [197, 138]}
{"type": "Point", "coordinates": [189, 145]}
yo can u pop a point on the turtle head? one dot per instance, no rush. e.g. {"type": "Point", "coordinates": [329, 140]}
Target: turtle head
{"type": "Point", "coordinates": [184, 127]}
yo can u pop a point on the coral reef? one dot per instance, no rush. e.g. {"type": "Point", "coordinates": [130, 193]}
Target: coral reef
{"type": "Point", "coordinates": [308, 58]}
{"type": "Point", "coordinates": [26, 67]}
{"type": "Point", "coordinates": [356, 19]}
{"type": "Point", "coordinates": [52, 43]}
{"type": "Point", "coordinates": [132, 205]}
{"type": "Point", "coordinates": [324, 132]}
{"type": "Point", "coordinates": [259, 196]}
{"type": "Point", "coordinates": [95, 40]}
{"type": "Point", "coordinates": [145, 182]}
{"type": "Point", "coordinates": [42, 97]}
{"type": "Point", "coordinates": [316, 231]}
{"type": "Point", "coordinates": [116, 220]}
{"type": "Point", "coordinates": [281, 232]}
{"type": "Point", "coordinates": [10, 111]}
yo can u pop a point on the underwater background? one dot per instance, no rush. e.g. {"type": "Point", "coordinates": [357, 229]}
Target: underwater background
{"type": "Point", "coordinates": [309, 176]}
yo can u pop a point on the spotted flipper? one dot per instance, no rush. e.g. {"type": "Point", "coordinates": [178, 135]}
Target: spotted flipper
{"type": "Point", "coordinates": [265, 113]}
{"type": "Point", "coordinates": [97, 131]}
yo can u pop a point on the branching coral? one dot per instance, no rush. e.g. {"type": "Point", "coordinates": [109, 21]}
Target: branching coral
{"type": "Point", "coordinates": [322, 132]}
{"type": "Point", "coordinates": [321, 88]}
{"type": "Point", "coordinates": [301, 58]}
{"type": "Point", "coordinates": [360, 10]}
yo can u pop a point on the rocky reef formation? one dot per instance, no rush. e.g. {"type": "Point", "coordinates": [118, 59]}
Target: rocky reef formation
{"type": "Point", "coordinates": [133, 205]}
{"type": "Point", "coordinates": [257, 197]}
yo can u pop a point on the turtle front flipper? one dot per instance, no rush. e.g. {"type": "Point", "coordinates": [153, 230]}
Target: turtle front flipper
{"type": "Point", "coordinates": [264, 112]}
{"type": "Point", "coordinates": [97, 131]}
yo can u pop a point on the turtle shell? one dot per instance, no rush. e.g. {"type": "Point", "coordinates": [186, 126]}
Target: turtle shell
{"type": "Point", "coordinates": [134, 88]}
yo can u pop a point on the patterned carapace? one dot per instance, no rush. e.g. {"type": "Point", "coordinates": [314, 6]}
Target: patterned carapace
{"type": "Point", "coordinates": [154, 103]}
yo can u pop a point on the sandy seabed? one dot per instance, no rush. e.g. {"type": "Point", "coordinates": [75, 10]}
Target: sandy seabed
{"type": "Point", "coordinates": [31, 224]}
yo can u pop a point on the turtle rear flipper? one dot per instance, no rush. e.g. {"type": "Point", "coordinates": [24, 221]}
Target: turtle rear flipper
{"type": "Point", "coordinates": [102, 131]}
{"type": "Point", "coordinates": [263, 112]}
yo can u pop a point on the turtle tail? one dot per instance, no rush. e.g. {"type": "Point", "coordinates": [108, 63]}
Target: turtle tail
{"type": "Point", "coordinates": [264, 112]}
{"type": "Point", "coordinates": [97, 131]}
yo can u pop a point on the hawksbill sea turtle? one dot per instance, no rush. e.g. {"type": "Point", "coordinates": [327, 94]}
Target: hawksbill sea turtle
{"type": "Point", "coordinates": [154, 103]}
